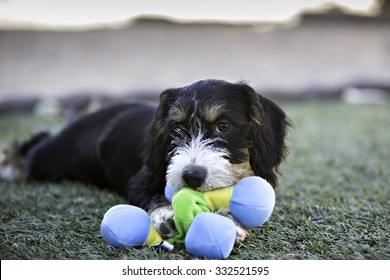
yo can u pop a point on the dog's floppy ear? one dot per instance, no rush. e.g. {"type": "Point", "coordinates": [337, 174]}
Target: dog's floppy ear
{"type": "Point", "coordinates": [159, 139]}
{"type": "Point", "coordinates": [269, 128]}
{"type": "Point", "coordinates": [150, 180]}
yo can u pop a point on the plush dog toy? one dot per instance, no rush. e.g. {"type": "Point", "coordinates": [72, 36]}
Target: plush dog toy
{"type": "Point", "coordinates": [205, 234]}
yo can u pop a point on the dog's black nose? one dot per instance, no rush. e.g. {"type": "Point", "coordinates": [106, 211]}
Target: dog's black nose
{"type": "Point", "coordinates": [194, 176]}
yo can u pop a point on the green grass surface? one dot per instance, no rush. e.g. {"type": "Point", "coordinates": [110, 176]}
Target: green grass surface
{"type": "Point", "coordinates": [333, 200]}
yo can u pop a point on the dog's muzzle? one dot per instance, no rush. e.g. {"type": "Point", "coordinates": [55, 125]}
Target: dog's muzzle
{"type": "Point", "coordinates": [194, 176]}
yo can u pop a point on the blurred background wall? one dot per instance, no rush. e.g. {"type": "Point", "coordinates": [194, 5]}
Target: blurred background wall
{"type": "Point", "coordinates": [288, 49]}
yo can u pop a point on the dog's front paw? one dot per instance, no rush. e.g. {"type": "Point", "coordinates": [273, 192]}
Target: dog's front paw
{"type": "Point", "coordinates": [241, 234]}
{"type": "Point", "coordinates": [162, 220]}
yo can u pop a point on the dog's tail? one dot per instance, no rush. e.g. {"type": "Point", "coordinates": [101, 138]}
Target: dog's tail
{"type": "Point", "coordinates": [13, 156]}
{"type": "Point", "coordinates": [25, 146]}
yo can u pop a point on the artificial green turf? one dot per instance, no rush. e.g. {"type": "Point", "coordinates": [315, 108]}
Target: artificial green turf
{"type": "Point", "coordinates": [333, 200]}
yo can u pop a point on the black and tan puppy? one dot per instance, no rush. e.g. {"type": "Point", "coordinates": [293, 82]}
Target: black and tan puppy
{"type": "Point", "coordinates": [206, 135]}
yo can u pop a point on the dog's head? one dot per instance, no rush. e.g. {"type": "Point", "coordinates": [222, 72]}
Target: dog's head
{"type": "Point", "coordinates": [212, 133]}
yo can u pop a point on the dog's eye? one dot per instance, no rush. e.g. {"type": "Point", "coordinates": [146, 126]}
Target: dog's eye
{"type": "Point", "coordinates": [223, 126]}
{"type": "Point", "coordinates": [175, 126]}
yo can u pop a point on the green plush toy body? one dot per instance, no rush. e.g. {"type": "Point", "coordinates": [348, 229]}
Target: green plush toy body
{"type": "Point", "coordinates": [187, 203]}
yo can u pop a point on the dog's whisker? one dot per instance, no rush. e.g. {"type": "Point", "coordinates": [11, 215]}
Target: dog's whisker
{"type": "Point", "coordinates": [200, 152]}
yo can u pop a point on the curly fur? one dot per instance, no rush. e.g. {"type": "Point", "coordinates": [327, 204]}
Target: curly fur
{"type": "Point", "coordinates": [204, 135]}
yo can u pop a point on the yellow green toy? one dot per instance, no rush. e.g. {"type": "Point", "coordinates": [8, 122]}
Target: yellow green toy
{"type": "Point", "coordinates": [204, 233]}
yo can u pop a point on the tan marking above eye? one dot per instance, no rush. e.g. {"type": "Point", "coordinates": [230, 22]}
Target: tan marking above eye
{"type": "Point", "coordinates": [212, 112]}
{"type": "Point", "coordinates": [179, 114]}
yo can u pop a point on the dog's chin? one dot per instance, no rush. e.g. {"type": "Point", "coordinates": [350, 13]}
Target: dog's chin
{"type": "Point", "coordinates": [205, 187]}
{"type": "Point", "coordinates": [211, 183]}
{"type": "Point", "coordinates": [226, 174]}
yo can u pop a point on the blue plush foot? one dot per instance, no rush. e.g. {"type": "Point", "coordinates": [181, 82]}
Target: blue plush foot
{"type": "Point", "coordinates": [125, 225]}
{"type": "Point", "coordinates": [211, 235]}
{"type": "Point", "coordinates": [252, 201]}
{"type": "Point", "coordinates": [129, 226]}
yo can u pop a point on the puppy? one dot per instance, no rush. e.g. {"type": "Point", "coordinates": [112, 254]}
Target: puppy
{"type": "Point", "coordinates": [206, 135]}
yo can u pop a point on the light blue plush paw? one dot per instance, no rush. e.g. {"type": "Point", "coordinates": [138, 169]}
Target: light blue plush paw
{"type": "Point", "coordinates": [211, 235]}
{"type": "Point", "coordinates": [252, 201]}
{"type": "Point", "coordinates": [125, 225]}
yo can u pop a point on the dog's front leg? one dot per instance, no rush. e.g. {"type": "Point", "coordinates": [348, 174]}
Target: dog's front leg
{"type": "Point", "coordinates": [162, 220]}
